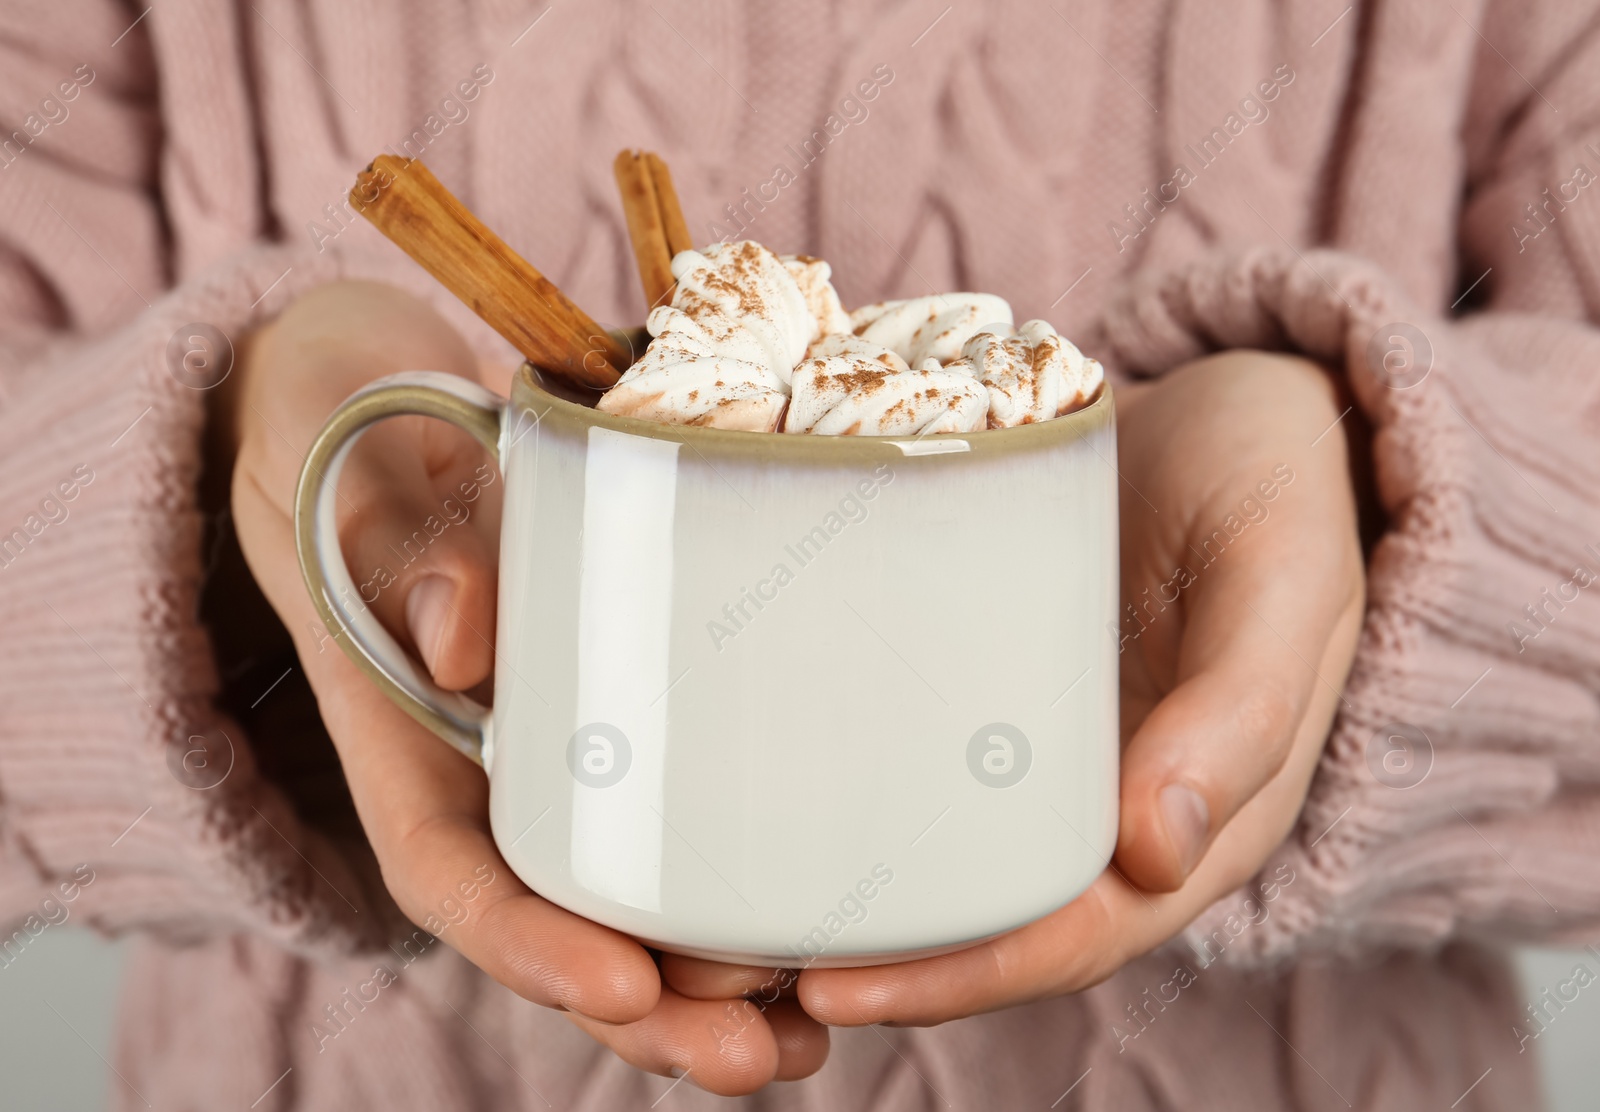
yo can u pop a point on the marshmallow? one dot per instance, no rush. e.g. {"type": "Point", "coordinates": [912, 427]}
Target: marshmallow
{"type": "Point", "coordinates": [812, 276]}
{"type": "Point", "coordinates": [1032, 374]}
{"type": "Point", "coordinates": [745, 301]}
{"type": "Point", "coordinates": [843, 343]}
{"type": "Point", "coordinates": [723, 350]}
{"type": "Point", "coordinates": [935, 327]}
{"type": "Point", "coordinates": [683, 381]}
{"type": "Point", "coordinates": [860, 396]}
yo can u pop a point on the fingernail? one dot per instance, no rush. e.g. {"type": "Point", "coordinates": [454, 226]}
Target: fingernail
{"type": "Point", "coordinates": [1188, 820]}
{"type": "Point", "coordinates": [427, 608]}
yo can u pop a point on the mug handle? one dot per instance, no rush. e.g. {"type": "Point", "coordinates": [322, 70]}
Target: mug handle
{"type": "Point", "coordinates": [460, 721]}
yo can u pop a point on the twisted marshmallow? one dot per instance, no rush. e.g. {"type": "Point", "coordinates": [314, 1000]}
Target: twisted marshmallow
{"type": "Point", "coordinates": [1032, 374]}
{"type": "Point", "coordinates": [724, 349]}
{"type": "Point", "coordinates": [865, 395]}
{"type": "Point", "coordinates": [934, 327]}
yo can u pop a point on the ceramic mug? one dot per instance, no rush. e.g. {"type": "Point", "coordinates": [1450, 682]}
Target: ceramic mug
{"type": "Point", "coordinates": [779, 699]}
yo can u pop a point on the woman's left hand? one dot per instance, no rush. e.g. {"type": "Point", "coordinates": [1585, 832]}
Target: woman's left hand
{"type": "Point", "coordinates": [1234, 654]}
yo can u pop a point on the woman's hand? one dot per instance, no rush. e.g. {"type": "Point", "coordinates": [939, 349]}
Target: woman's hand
{"type": "Point", "coordinates": [425, 807]}
{"type": "Point", "coordinates": [1243, 584]}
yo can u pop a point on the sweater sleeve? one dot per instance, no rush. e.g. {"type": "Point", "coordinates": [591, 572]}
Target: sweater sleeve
{"type": "Point", "coordinates": [1459, 791]}
{"type": "Point", "coordinates": [127, 798]}
{"type": "Point", "coordinates": [115, 762]}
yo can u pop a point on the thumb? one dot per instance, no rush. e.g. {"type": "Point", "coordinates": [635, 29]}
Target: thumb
{"type": "Point", "coordinates": [1263, 656]}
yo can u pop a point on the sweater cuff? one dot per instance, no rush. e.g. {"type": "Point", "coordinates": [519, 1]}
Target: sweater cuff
{"type": "Point", "coordinates": [120, 781]}
{"type": "Point", "coordinates": [1456, 792]}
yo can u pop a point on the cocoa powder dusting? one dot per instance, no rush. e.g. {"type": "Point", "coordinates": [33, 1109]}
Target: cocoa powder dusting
{"type": "Point", "coordinates": [861, 380]}
{"type": "Point", "coordinates": [1040, 359]}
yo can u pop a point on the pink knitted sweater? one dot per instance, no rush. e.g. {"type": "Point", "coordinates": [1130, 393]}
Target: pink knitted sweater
{"type": "Point", "coordinates": [1160, 178]}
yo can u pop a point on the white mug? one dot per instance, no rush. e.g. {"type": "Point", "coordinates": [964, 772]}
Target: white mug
{"type": "Point", "coordinates": [779, 699]}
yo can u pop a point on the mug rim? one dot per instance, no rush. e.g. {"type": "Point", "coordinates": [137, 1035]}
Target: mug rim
{"type": "Point", "coordinates": [530, 391]}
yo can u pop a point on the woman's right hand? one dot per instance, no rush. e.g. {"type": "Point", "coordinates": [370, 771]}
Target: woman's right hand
{"type": "Point", "coordinates": [424, 806]}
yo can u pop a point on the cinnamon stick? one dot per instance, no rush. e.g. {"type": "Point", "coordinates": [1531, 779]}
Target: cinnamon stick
{"type": "Point", "coordinates": [672, 221]}
{"type": "Point", "coordinates": [656, 226]}
{"type": "Point", "coordinates": [426, 221]}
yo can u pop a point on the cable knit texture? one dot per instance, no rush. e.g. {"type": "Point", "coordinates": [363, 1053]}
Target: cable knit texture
{"type": "Point", "coordinates": [1401, 168]}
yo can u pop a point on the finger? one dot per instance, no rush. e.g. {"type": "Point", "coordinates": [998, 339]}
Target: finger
{"type": "Point", "coordinates": [418, 514]}
{"type": "Point", "coordinates": [424, 808]}
{"type": "Point", "coordinates": [700, 979]}
{"type": "Point", "coordinates": [1257, 628]}
{"type": "Point", "coordinates": [418, 499]}
{"type": "Point", "coordinates": [542, 952]}
{"type": "Point", "coordinates": [724, 1046]}
{"type": "Point", "coordinates": [803, 1043]}
{"type": "Point", "coordinates": [1067, 950]}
